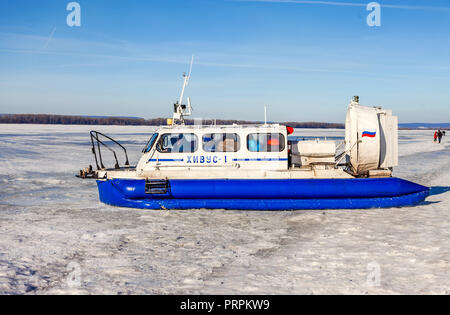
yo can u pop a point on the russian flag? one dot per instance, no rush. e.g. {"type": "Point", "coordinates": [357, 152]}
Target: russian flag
{"type": "Point", "coordinates": [369, 134]}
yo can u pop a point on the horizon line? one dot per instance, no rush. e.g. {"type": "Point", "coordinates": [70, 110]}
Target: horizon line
{"type": "Point", "coordinates": [223, 119]}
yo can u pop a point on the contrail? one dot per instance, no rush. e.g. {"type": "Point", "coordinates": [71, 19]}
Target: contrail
{"type": "Point", "coordinates": [50, 38]}
{"type": "Point", "coordinates": [351, 4]}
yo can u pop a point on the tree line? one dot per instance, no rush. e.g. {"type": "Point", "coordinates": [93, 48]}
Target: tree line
{"type": "Point", "coordinates": [129, 121]}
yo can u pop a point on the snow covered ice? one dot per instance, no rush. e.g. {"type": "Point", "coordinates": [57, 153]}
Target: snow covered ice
{"type": "Point", "coordinates": [56, 237]}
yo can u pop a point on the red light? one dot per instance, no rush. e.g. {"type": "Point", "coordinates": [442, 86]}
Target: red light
{"type": "Point", "coordinates": [290, 130]}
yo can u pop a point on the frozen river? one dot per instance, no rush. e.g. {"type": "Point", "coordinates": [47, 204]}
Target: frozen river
{"type": "Point", "coordinates": [56, 237]}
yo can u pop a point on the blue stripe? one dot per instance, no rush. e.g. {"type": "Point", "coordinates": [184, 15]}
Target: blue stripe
{"type": "Point", "coordinates": [166, 160]}
{"type": "Point", "coordinates": [250, 160]}
{"type": "Point", "coordinates": [234, 160]}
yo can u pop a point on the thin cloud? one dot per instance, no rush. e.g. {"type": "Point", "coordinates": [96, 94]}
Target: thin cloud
{"type": "Point", "coordinates": [206, 61]}
{"type": "Point", "coordinates": [208, 64]}
{"type": "Point", "coordinates": [351, 4]}
{"type": "Point", "coordinates": [333, 3]}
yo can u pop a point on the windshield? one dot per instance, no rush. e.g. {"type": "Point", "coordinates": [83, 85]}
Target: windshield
{"type": "Point", "coordinates": [150, 143]}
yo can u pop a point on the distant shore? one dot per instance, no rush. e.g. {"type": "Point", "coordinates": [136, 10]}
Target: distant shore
{"type": "Point", "coordinates": [47, 119]}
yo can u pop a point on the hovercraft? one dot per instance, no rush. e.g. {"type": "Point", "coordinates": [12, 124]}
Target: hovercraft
{"type": "Point", "coordinates": [257, 167]}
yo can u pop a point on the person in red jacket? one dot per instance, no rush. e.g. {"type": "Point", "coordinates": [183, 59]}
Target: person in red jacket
{"type": "Point", "coordinates": [435, 136]}
{"type": "Point", "coordinates": [439, 135]}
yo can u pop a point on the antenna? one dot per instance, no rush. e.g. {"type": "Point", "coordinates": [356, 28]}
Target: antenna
{"type": "Point", "coordinates": [186, 81]}
{"type": "Point", "coordinates": [190, 69]}
{"type": "Point", "coordinates": [265, 114]}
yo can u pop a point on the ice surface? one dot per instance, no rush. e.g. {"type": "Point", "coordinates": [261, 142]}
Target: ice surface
{"type": "Point", "coordinates": [56, 237]}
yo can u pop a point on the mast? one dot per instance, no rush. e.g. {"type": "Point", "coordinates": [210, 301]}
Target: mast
{"type": "Point", "coordinates": [181, 110]}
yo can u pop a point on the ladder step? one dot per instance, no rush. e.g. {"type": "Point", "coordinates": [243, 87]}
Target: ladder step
{"type": "Point", "coordinates": [157, 186]}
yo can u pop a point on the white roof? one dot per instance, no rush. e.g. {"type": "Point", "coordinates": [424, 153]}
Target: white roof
{"type": "Point", "coordinates": [215, 128]}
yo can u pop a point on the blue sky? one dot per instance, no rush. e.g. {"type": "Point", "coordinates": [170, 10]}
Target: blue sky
{"type": "Point", "coordinates": [304, 59]}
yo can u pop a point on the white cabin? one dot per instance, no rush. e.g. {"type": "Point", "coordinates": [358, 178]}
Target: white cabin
{"type": "Point", "coordinates": [204, 147]}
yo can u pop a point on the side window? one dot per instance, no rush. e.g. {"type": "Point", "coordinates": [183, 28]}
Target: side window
{"type": "Point", "coordinates": [221, 142]}
{"type": "Point", "coordinates": [265, 142]}
{"type": "Point", "coordinates": [150, 143]}
{"type": "Point", "coordinates": [177, 143]}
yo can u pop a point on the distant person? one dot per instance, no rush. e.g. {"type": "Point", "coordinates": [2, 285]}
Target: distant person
{"type": "Point", "coordinates": [435, 136]}
{"type": "Point", "coordinates": [439, 134]}
{"type": "Point", "coordinates": [443, 132]}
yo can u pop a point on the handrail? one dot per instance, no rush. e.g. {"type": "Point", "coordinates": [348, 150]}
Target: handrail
{"type": "Point", "coordinates": [343, 154]}
{"type": "Point", "coordinates": [95, 136]}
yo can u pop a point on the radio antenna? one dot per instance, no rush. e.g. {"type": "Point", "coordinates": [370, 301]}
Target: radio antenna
{"type": "Point", "coordinates": [265, 114]}
{"type": "Point", "coordinates": [186, 81]}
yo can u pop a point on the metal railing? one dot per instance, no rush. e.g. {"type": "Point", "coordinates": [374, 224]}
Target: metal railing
{"type": "Point", "coordinates": [96, 142]}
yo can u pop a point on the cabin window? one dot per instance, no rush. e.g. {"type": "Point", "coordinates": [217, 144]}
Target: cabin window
{"type": "Point", "coordinates": [265, 142]}
{"type": "Point", "coordinates": [177, 143]}
{"type": "Point", "coordinates": [150, 143]}
{"type": "Point", "coordinates": [221, 142]}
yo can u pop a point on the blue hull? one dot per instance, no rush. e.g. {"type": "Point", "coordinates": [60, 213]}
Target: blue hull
{"type": "Point", "coordinates": [266, 194]}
